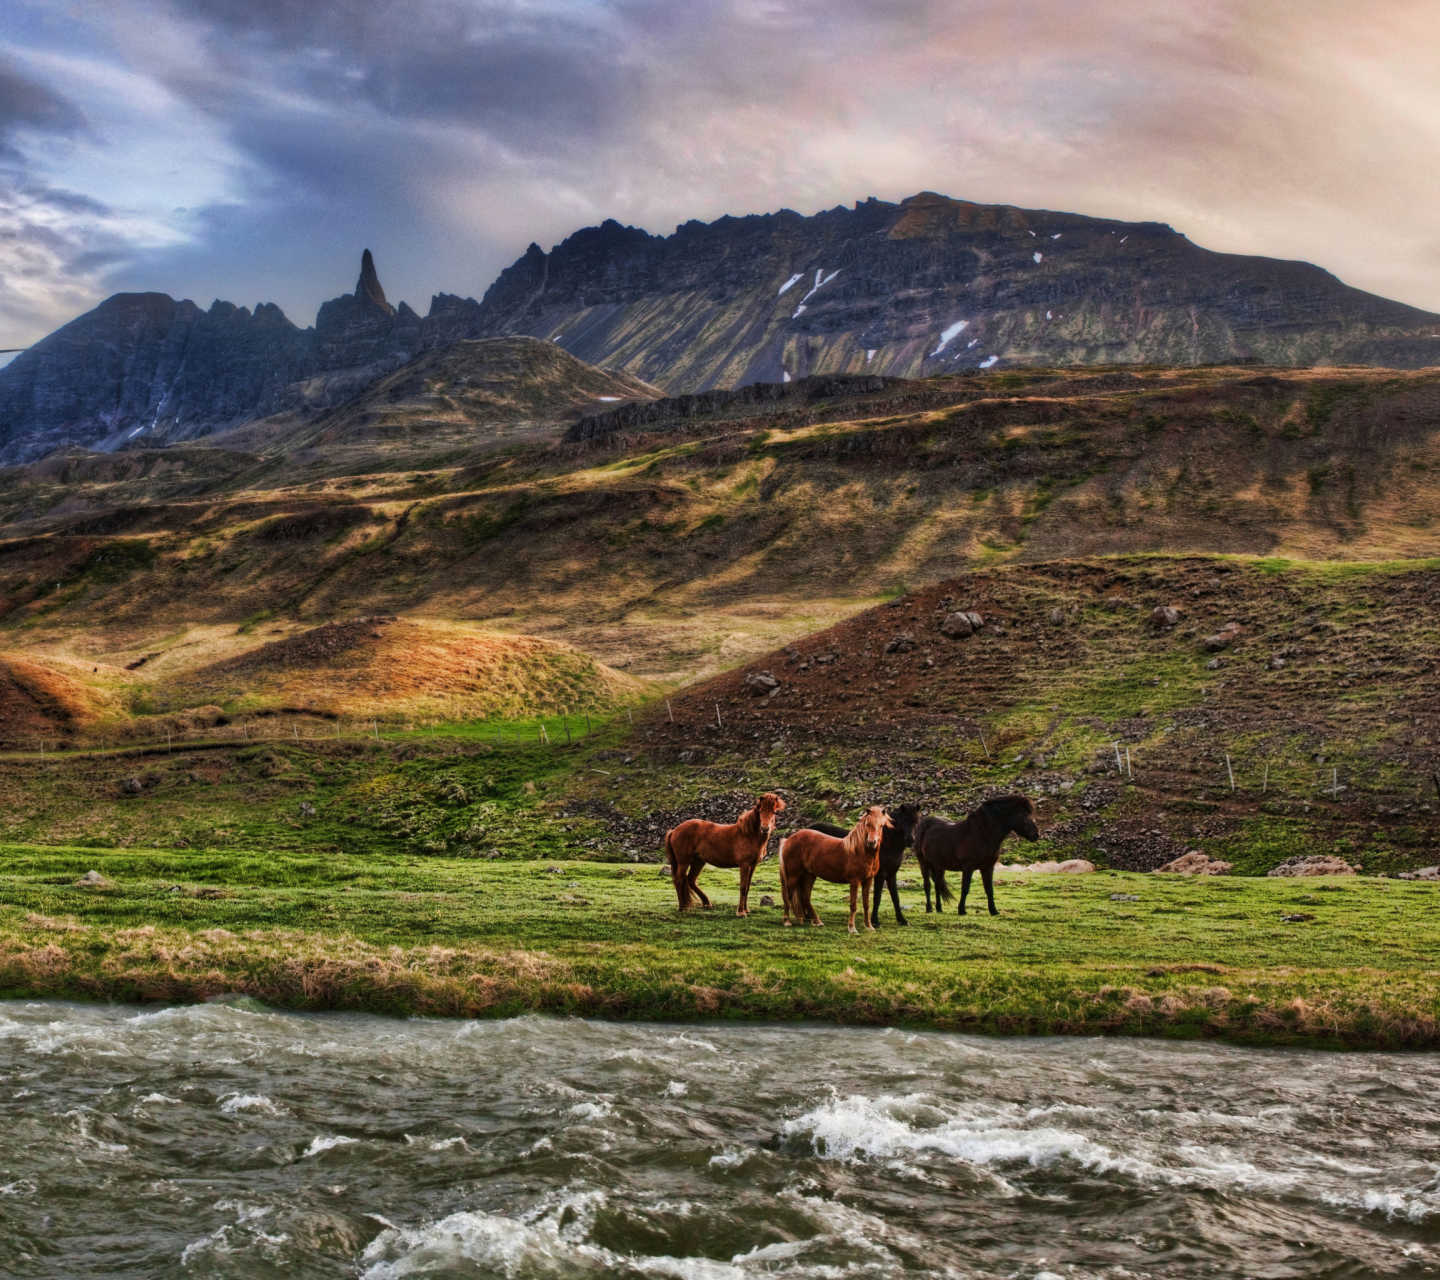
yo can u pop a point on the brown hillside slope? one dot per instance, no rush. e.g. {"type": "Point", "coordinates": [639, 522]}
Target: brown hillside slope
{"type": "Point", "coordinates": [1325, 697]}
{"type": "Point", "coordinates": [451, 396]}
{"type": "Point", "coordinates": [683, 546]}
{"type": "Point", "coordinates": [389, 667]}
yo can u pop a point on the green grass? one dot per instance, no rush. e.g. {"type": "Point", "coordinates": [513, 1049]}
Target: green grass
{"type": "Point", "coordinates": [1207, 957]}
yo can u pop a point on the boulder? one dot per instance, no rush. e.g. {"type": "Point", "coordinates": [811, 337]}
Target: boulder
{"type": "Point", "coordinates": [1195, 863]}
{"type": "Point", "coordinates": [93, 880]}
{"type": "Point", "coordinates": [1057, 617]}
{"type": "Point", "coordinates": [1164, 616]}
{"type": "Point", "coordinates": [1213, 644]}
{"type": "Point", "coordinates": [1315, 865]}
{"type": "Point", "coordinates": [1071, 866]}
{"type": "Point", "coordinates": [1115, 602]}
{"type": "Point", "coordinates": [761, 683]}
{"type": "Point", "coordinates": [1424, 873]}
{"type": "Point", "coordinates": [957, 626]}
{"type": "Point", "coordinates": [131, 786]}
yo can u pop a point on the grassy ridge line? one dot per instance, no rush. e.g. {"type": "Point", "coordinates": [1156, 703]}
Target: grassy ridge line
{"type": "Point", "coordinates": [448, 937]}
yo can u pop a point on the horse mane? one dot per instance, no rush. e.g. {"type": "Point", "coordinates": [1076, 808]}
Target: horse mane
{"type": "Point", "coordinates": [1003, 807]}
{"type": "Point", "coordinates": [749, 821]}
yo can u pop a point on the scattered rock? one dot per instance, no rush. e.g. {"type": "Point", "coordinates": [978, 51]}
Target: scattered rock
{"type": "Point", "coordinates": [902, 643]}
{"type": "Point", "coordinates": [1195, 863]}
{"type": "Point", "coordinates": [1213, 644]}
{"type": "Point", "coordinates": [1057, 617]}
{"type": "Point", "coordinates": [1424, 873]}
{"type": "Point", "coordinates": [1163, 616]}
{"type": "Point", "coordinates": [1214, 664]}
{"type": "Point", "coordinates": [131, 786]}
{"type": "Point", "coordinates": [957, 626]}
{"type": "Point", "coordinates": [1124, 897]}
{"type": "Point", "coordinates": [307, 810]}
{"type": "Point", "coordinates": [767, 901]}
{"type": "Point", "coordinates": [1315, 865]}
{"type": "Point", "coordinates": [94, 880]}
{"type": "Point", "coordinates": [1295, 917]}
{"type": "Point", "coordinates": [551, 871]}
{"type": "Point", "coordinates": [1115, 602]}
{"type": "Point", "coordinates": [761, 683]}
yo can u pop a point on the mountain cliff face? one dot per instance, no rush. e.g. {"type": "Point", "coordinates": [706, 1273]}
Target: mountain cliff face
{"type": "Point", "coordinates": [933, 285]}
{"type": "Point", "coordinates": [929, 285]}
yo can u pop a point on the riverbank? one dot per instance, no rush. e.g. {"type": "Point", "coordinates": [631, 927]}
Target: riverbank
{"type": "Point", "coordinates": [1209, 957]}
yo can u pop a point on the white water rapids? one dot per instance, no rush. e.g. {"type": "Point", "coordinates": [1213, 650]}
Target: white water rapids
{"type": "Point", "coordinates": [232, 1140]}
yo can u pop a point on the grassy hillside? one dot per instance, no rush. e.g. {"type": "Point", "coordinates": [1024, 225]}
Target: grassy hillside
{"type": "Point", "coordinates": [680, 549]}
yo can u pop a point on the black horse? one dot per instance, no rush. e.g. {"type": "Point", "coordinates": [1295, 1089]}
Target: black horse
{"type": "Point", "coordinates": [894, 840]}
{"type": "Point", "coordinates": [971, 845]}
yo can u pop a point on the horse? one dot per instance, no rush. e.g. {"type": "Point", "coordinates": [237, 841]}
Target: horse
{"type": "Point", "coordinates": [971, 845]}
{"type": "Point", "coordinates": [808, 854]}
{"type": "Point", "coordinates": [695, 843]}
{"type": "Point", "coordinates": [898, 837]}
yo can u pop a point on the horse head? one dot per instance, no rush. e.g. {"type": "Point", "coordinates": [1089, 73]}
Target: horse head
{"type": "Point", "coordinates": [903, 819]}
{"type": "Point", "coordinates": [768, 806]}
{"type": "Point", "coordinates": [874, 822]}
{"type": "Point", "coordinates": [1015, 813]}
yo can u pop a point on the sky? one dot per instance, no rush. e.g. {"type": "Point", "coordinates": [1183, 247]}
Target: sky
{"type": "Point", "coordinates": [250, 149]}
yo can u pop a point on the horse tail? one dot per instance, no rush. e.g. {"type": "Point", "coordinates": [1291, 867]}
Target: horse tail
{"type": "Point", "coordinates": [784, 882]}
{"type": "Point", "coordinates": [682, 887]}
{"type": "Point", "coordinates": [942, 890]}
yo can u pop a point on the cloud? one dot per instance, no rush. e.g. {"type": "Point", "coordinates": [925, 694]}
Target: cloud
{"type": "Point", "coordinates": [447, 134]}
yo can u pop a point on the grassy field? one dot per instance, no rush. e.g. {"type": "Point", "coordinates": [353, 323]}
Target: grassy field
{"type": "Point", "coordinates": [461, 937]}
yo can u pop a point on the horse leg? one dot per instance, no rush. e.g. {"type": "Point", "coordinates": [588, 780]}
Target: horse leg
{"type": "Point", "coordinates": [891, 881]}
{"type": "Point", "coordinates": [868, 898]}
{"type": "Point", "coordinates": [925, 874]}
{"type": "Point", "coordinates": [808, 889]}
{"type": "Point", "coordinates": [987, 877]}
{"type": "Point", "coordinates": [965, 890]}
{"type": "Point", "coordinates": [743, 908]}
{"type": "Point", "coordinates": [696, 868]}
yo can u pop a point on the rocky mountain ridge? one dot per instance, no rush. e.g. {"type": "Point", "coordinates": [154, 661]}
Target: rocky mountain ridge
{"type": "Point", "coordinates": [929, 285]}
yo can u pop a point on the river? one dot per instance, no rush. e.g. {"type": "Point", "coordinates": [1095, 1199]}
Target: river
{"type": "Point", "coordinates": [233, 1140]}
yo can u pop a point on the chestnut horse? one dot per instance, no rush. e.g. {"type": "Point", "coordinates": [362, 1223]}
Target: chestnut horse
{"type": "Point", "coordinates": [898, 837]}
{"type": "Point", "coordinates": [695, 843]}
{"type": "Point", "coordinates": [971, 845]}
{"type": "Point", "coordinates": [807, 855]}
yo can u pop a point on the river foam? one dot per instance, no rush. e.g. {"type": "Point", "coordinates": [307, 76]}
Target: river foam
{"type": "Point", "coordinates": [234, 1140]}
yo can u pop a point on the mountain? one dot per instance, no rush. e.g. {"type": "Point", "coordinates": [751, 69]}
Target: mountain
{"type": "Point", "coordinates": [929, 285]}
{"type": "Point", "coordinates": [933, 285]}
{"type": "Point", "coordinates": [142, 368]}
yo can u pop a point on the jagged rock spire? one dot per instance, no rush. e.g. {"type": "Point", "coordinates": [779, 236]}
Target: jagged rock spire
{"type": "Point", "coordinates": [368, 288]}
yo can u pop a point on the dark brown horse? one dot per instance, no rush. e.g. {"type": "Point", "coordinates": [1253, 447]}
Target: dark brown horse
{"type": "Point", "coordinates": [693, 845]}
{"type": "Point", "coordinates": [809, 855]}
{"type": "Point", "coordinates": [971, 845]}
{"type": "Point", "coordinates": [898, 837]}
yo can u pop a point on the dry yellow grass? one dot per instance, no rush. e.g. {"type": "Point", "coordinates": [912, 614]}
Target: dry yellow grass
{"type": "Point", "coordinates": [392, 667]}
